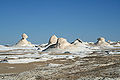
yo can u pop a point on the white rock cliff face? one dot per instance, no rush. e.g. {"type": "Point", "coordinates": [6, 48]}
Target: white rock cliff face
{"type": "Point", "coordinates": [78, 42]}
{"type": "Point", "coordinates": [52, 40]}
{"type": "Point", "coordinates": [23, 41]}
{"type": "Point", "coordinates": [102, 43]}
{"type": "Point", "coordinates": [62, 43]}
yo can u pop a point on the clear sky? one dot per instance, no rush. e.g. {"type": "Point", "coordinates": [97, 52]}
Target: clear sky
{"type": "Point", "coordinates": [70, 19]}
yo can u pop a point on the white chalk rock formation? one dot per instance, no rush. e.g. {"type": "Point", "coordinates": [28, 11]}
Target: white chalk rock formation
{"type": "Point", "coordinates": [102, 43]}
{"type": "Point", "coordinates": [23, 41]}
{"type": "Point", "coordinates": [77, 42]}
{"type": "Point", "coordinates": [52, 40]}
{"type": "Point", "coordinates": [62, 43]}
{"type": "Point", "coordinates": [24, 36]}
{"type": "Point", "coordinates": [80, 43]}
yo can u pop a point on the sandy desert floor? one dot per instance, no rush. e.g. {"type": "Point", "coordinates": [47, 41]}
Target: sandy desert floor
{"type": "Point", "coordinates": [93, 67]}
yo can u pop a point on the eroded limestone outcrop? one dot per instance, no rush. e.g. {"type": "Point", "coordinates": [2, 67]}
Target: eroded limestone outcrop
{"type": "Point", "coordinates": [52, 40]}
{"type": "Point", "coordinates": [102, 43]}
{"type": "Point", "coordinates": [62, 43]}
{"type": "Point", "coordinates": [23, 41]}
{"type": "Point", "coordinates": [77, 42]}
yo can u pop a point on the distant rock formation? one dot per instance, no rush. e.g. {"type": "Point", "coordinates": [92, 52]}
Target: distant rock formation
{"type": "Point", "coordinates": [101, 42]}
{"type": "Point", "coordinates": [52, 40]}
{"type": "Point", "coordinates": [109, 41]}
{"type": "Point", "coordinates": [62, 43]}
{"type": "Point", "coordinates": [77, 42]}
{"type": "Point", "coordinates": [51, 43]}
{"type": "Point", "coordinates": [23, 41]}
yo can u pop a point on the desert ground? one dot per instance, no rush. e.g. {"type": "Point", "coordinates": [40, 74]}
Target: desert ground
{"type": "Point", "coordinates": [93, 67]}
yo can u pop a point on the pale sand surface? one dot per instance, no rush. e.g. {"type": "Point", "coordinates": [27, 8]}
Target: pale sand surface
{"type": "Point", "coordinates": [18, 68]}
{"type": "Point", "coordinates": [93, 67]}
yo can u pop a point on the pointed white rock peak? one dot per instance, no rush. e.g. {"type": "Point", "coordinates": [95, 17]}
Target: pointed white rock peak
{"type": "Point", "coordinates": [24, 36]}
{"type": "Point", "coordinates": [53, 40]}
{"type": "Point", "coordinates": [102, 43]}
{"type": "Point", "coordinates": [62, 43]}
{"type": "Point", "coordinates": [23, 41]}
{"type": "Point", "coordinates": [101, 39]}
{"type": "Point", "coordinates": [79, 42]}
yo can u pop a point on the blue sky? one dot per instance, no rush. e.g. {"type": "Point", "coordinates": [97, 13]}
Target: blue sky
{"type": "Point", "coordinates": [71, 19]}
